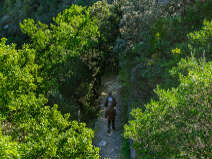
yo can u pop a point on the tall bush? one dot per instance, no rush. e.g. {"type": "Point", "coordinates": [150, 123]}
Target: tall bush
{"type": "Point", "coordinates": [138, 15]}
{"type": "Point", "coordinates": [166, 40]}
{"type": "Point", "coordinates": [62, 43]}
{"type": "Point", "coordinates": [15, 11]}
{"type": "Point", "coordinates": [200, 41]}
{"type": "Point", "coordinates": [178, 125]}
{"type": "Point", "coordinates": [107, 17]}
{"type": "Point", "coordinates": [67, 54]}
{"type": "Point", "coordinates": [8, 148]}
{"type": "Point", "coordinates": [36, 130]}
{"type": "Point", "coordinates": [176, 122]}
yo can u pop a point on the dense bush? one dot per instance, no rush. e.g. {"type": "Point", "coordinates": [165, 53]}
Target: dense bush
{"type": "Point", "coordinates": [200, 41]}
{"type": "Point", "coordinates": [15, 11]}
{"type": "Point", "coordinates": [73, 35]}
{"type": "Point", "coordinates": [60, 63]}
{"type": "Point", "coordinates": [18, 75]}
{"type": "Point", "coordinates": [36, 130]}
{"type": "Point", "coordinates": [178, 125]}
{"type": "Point", "coordinates": [158, 129]}
{"type": "Point", "coordinates": [138, 15]}
{"type": "Point", "coordinates": [67, 54]}
{"type": "Point", "coordinates": [8, 148]}
{"type": "Point", "coordinates": [107, 17]}
{"type": "Point", "coordinates": [153, 51]}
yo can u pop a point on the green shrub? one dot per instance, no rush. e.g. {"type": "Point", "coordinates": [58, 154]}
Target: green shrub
{"type": "Point", "coordinates": [163, 43]}
{"type": "Point", "coordinates": [8, 148]}
{"type": "Point", "coordinates": [138, 15]}
{"type": "Point", "coordinates": [162, 26]}
{"type": "Point", "coordinates": [195, 14]}
{"type": "Point", "coordinates": [67, 54]}
{"type": "Point", "coordinates": [107, 17]}
{"type": "Point", "coordinates": [200, 41]}
{"type": "Point", "coordinates": [65, 42]}
{"type": "Point", "coordinates": [178, 124]}
{"type": "Point", "coordinates": [18, 75]}
{"type": "Point", "coordinates": [15, 11]}
{"type": "Point", "coordinates": [36, 130]}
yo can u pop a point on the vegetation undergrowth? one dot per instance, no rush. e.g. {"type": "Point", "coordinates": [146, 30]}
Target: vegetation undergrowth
{"type": "Point", "coordinates": [171, 51]}
{"type": "Point", "coordinates": [50, 78]}
{"type": "Point", "coordinates": [125, 149]}
{"type": "Point", "coordinates": [15, 11]}
{"type": "Point", "coordinates": [58, 70]}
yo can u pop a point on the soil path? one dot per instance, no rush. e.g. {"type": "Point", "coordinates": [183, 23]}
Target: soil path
{"type": "Point", "coordinates": [109, 144]}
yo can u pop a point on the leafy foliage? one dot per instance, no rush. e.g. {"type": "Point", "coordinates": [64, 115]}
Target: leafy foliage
{"type": "Point", "coordinates": [66, 53]}
{"type": "Point", "coordinates": [38, 130]}
{"type": "Point", "coordinates": [162, 44]}
{"type": "Point", "coordinates": [15, 11]}
{"type": "Point", "coordinates": [107, 17]}
{"type": "Point", "coordinates": [18, 75]}
{"type": "Point", "coordinates": [166, 123]}
{"type": "Point", "coordinates": [200, 41]}
{"type": "Point", "coordinates": [8, 148]}
{"type": "Point", "coordinates": [178, 124]}
{"type": "Point", "coordinates": [137, 17]}
{"type": "Point", "coordinates": [73, 34]}
{"type": "Point", "coordinates": [61, 63]}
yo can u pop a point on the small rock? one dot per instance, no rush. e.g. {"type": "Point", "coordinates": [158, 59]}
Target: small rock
{"type": "Point", "coordinates": [102, 143]}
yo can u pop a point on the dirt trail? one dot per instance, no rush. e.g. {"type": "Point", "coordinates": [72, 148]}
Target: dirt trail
{"type": "Point", "coordinates": [109, 144]}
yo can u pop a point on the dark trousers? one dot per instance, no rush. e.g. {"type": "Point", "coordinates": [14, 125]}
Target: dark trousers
{"type": "Point", "coordinates": [113, 124]}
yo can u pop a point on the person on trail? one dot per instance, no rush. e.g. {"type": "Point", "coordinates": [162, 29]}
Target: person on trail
{"type": "Point", "coordinates": [110, 111]}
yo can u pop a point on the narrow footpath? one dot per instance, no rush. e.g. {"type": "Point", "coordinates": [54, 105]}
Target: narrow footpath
{"type": "Point", "coordinates": [109, 144]}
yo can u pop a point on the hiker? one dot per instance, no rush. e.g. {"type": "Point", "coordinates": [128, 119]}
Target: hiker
{"type": "Point", "coordinates": [110, 111]}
